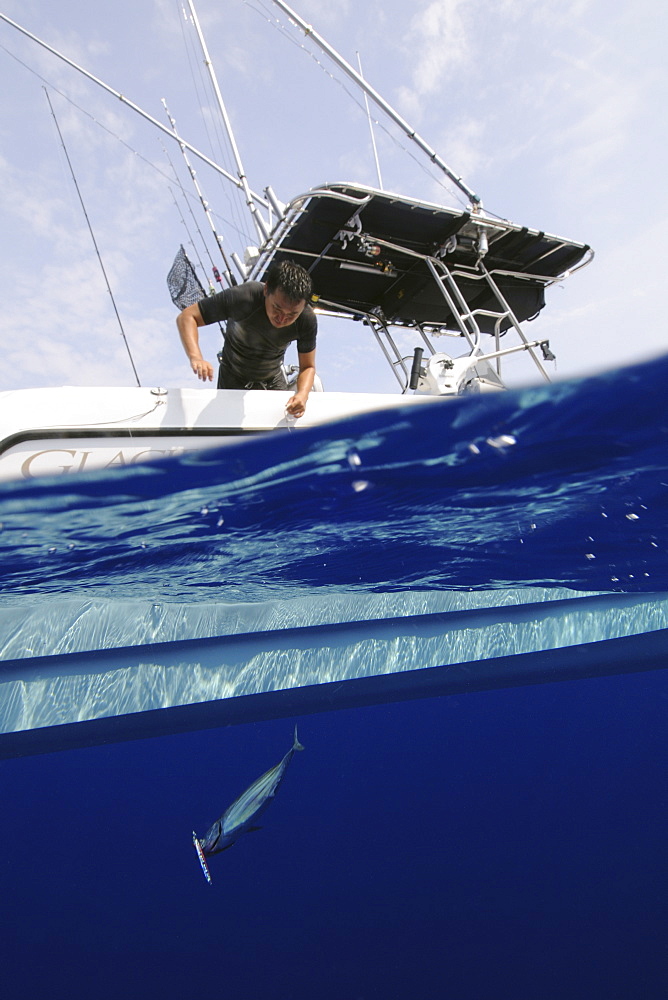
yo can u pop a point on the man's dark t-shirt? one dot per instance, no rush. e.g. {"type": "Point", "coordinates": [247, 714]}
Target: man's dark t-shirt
{"type": "Point", "coordinates": [254, 349]}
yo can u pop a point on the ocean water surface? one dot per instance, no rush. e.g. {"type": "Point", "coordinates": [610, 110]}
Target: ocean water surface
{"type": "Point", "coordinates": [561, 485]}
{"type": "Point", "coordinates": [491, 844]}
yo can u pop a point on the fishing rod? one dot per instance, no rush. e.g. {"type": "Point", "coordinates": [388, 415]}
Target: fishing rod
{"type": "Point", "coordinates": [184, 223]}
{"type": "Point", "coordinates": [310, 32]}
{"type": "Point", "coordinates": [204, 203]}
{"type": "Point", "coordinates": [255, 198]}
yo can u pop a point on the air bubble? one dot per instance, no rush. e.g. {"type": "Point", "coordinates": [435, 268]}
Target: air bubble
{"type": "Point", "coordinates": [204, 511]}
{"type": "Point", "coordinates": [632, 517]}
{"type": "Point", "coordinates": [220, 522]}
{"type": "Point", "coordinates": [590, 555]}
{"type": "Point", "coordinates": [474, 449]}
{"type": "Point", "coordinates": [360, 484]}
{"type": "Point", "coordinates": [354, 460]}
{"type": "Point", "coordinates": [502, 441]}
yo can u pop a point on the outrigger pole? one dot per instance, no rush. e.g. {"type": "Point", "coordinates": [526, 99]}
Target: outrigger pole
{"type": "Point", "coordinates": [237, 181]}
{"type": "Point", "coordinates": [375, 96]}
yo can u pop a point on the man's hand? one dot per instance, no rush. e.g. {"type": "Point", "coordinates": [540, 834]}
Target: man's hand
{"type": "Point", "coordinates": [296, 405]}
{"type": "Point", "coordinates": [202, 369]}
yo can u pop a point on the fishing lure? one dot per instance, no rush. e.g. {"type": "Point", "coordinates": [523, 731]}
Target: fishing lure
{"type": "Point", "coordinates": [241, 816]}
{"type": "Point", "coordinates": [202, 859]}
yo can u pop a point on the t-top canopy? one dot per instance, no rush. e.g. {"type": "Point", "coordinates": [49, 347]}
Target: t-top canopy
{"type": "Point", "coordinates": [371, 252]}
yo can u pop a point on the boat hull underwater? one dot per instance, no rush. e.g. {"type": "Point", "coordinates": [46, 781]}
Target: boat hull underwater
{"type": "Point", "coordinates": [479, 542]}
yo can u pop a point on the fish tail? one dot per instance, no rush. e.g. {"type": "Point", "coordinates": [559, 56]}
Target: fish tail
{"type": "Point", "coordinates": [296, 745]}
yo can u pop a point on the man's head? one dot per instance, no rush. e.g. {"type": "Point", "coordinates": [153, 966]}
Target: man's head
{"type": "Point", "coordinates": [287, 290]}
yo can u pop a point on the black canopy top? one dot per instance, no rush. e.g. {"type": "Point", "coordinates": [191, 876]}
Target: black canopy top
{"type": "Point", "coordinates": [367, 253]}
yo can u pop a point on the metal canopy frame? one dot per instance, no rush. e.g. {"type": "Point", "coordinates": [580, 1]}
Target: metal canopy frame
{"type": "Point", "coordinates": [392, 261]}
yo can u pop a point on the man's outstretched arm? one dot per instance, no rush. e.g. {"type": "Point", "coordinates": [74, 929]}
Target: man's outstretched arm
{"type": "Point", "coordinates": [188, 323]}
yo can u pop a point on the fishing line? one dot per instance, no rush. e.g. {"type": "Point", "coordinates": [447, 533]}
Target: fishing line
{"type": "Point", "coordinates": [191, 241]}
{"type": "Point", "coordinates": [96, 121]}
{"type": "Point", "coordinates": [218, 144]}
{"type": "Point", "coordinates": [92, 236]}
{"type": "Point", "coordinates": [281, 28]}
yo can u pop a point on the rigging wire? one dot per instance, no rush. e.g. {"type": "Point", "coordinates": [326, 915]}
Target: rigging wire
{"type": "Point", "coordinates": [92, 235]}
{"type": "Point", "coordinates": [191, 241]}
{"type": "Point", "coordinates": [205, 207]}
{"type": "Point", "coordinates": [275, 22]}
{"type": "Point", "coordinates": [218, 144]}
{"type": "Point", "coordinates": [61, 93]}
{"type": "Point", "coordinates": [240, 232]}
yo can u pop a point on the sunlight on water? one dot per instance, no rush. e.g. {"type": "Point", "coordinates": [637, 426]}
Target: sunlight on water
{"type": "Point", "coordinates": [266, 660]}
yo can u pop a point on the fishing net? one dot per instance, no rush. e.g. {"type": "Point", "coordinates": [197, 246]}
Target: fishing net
{"type": "Point", "coordinates": [184, 285]}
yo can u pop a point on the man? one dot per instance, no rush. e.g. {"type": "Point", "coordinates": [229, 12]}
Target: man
{"type": "Point", "coordinates": [262, 319]}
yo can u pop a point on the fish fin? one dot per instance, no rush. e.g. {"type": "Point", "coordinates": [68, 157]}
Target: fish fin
{"type": "Point", "coordinates": [296, 745]}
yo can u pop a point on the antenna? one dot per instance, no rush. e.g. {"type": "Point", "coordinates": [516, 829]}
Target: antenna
{"type": "Point", "coordinates": [92, 236]}
{"type": "Point", "coordinates": [373, 137]}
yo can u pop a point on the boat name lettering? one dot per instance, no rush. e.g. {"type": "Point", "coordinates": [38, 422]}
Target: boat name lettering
{"type": "Point", "coordinates": [65, 460]}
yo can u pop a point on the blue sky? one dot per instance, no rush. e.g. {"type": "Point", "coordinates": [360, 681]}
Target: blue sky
{"type": "Point", "coordinates": [552, 112]}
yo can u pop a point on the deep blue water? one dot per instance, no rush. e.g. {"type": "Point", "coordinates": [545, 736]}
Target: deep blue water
{"type": "Point", "coordinates": [503, 844]}
{"type": "Point", "coordinates": [509, 844]}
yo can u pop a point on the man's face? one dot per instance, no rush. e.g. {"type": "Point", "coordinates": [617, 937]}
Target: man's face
{"type": "Point", "coordinates": [281, 310]}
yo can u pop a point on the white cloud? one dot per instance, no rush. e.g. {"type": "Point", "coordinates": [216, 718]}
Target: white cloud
{"type": "Point", "coordinates": [439, 34]}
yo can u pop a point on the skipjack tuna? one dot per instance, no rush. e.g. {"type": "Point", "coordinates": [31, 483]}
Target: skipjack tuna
{"type": "Point", "coordinates": [241, 815]}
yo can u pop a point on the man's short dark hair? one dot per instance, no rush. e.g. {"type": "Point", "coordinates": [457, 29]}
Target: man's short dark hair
{"type": "Point", "coordinates": [293, 280]}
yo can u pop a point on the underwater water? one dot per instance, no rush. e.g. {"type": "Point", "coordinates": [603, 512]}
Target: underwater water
{"type": "Point", "coordinates": [506, 844]}
{"type": "Point", "coordinates": [487, 844]}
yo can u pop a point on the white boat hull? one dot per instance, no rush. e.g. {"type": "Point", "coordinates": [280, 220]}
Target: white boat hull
{"type": "Point", "coordinates": [73, 429]}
